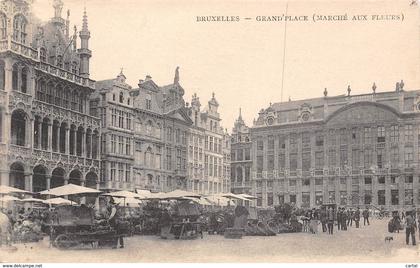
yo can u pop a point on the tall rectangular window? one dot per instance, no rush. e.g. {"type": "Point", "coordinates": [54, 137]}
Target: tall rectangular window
{"type": "Point", "coordinates": [381, 197]}
{"type": "Point", "coordinates": [293, 161]}
{"type": "Point", "coordinates": [260, 145]}
{"type": "Point", "coordinates": [395, 133]}
{"type": "Point", "coordinates": [380, 157]}
{"type": "Point", "coordinates": [408, 156]}
{"type": "Point", "coordinates": [343, 157]}
{"type": "Point", "coordinates": [343, 136]}
{"type": "Point", "coordinates": [381, 134]}
{"type": "Point", "coordinates": [395, 156]}
{"type": "Point", "coordinates": [319, 160]}
{"type": "Point", "coordinates": [408, 133]}
{"type": "Point", "coordinates": [368, 158]}
{"type": "Point", "coordinates": [332, 158]}
{"type": "Point", "coordinates": [260, 163]}
{"type": "Point", "coordinates": [355, 158]}
{"type": "Point", "coordinates": [367, 135]}
{"type": "Point", "coordinates": [395, 200]}
{"type": "Point", "coordinates": [306, 161]}
{"type": "Point", "coordinates": [282, 161]}
{"type": "Point", "coordinates": [319, 139]}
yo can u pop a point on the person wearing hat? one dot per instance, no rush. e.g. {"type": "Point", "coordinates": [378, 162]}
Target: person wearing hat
{"type": "Point", "coordinates": [410, 228]}
{"type": "Point", "coordinates": [357, 217]}
{"type": "Point", "coordinates": [112, 220]}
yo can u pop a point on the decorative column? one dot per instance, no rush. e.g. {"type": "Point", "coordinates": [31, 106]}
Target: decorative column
{"type": "Point", "coordinates": [48, 176]}
{"type": "Point", "coordinates": [75, 142]}
{"type": "Point", "coordinates": [40, 134]}
{"type": "Point", "coordinates": [49, 140]}
{"type": "Point", "coordinates": [83, 153]}
{"type": "Point", "coordinates": [67, 140]}
{"type": "Point", "coordinates": [57, 139]}
{"type": "Point", "coordinates": [28, 181]}
{"type": "Point", "coordinates": [32, 137]}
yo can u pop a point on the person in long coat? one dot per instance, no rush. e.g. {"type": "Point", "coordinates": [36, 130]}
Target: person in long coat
{"type": "Point", "coordinates": [344, 220]}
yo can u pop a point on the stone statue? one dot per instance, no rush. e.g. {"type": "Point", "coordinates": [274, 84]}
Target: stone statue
{"type": "Point", "coordinates": [325, 92]}
{"type": "Point", "coordinates": [402, 85]}
{"type": "Point", "coordinates": [176, 78]}
{"type": "Point", "coordinates": [397, 87]}
{"type": "Point", "coordinates": [348, 90]}
{"type": "Point", "coordinates": [374, 88]}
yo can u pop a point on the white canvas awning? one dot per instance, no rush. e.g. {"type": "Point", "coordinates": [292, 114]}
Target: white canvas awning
{"type": "Point", "coordinates": [70, 189]}
{"type": "Point", "coordinates": [58, 201]}
{"type": "Point", "coordinates": [9, 190]}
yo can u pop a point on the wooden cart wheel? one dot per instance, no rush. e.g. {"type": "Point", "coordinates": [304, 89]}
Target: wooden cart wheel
{"type": "Point", "coordinates": [63, 242]}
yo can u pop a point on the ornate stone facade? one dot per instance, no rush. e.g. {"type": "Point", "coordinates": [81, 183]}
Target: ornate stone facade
{"type": "Point", "coordinates": [209, 149]}
{"type": "Point", "coordinates": [241, 162]}
{"type": "Point", "coordinates": [47, 136]}
{"type": "Point", "coordinates": [350, 150]}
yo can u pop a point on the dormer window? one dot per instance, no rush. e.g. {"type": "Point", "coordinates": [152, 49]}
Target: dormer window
{"type": "Point", "coordinates": [128, 101]}
{"type": "Point", "coordinates": [121, 97]}
{"type": "Point", "coordinates": [113, 97]}
{"type": "Point", "coordinates": [43, 55]}
{"type": "Point", "coordinates": [74, 67]}
{"type": "Point", "coordinates": [59, 61]}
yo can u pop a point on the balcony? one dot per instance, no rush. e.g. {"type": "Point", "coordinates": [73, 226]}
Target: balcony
{"type": "Point", "coordinates": [86, 119]}
{"type": "Point", "coordinates": [17, 97]}
{"type": "Point", "coordinates": [15, 150]}
{"type": "Point", "coordinates": [64, 158]}
{"type": "Point", "coordinates": [33, 54]}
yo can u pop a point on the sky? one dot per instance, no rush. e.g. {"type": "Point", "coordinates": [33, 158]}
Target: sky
{"type": "Point", "coordinates": [242, 62]}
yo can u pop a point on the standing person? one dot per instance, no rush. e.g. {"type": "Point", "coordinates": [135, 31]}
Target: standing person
{"type": "Point", "coordinates": [350, 217]}
{"type": "Point", "coordinates": [402, 215]}
{"type": "Point", "coordinates": [366, 216]}
{"type": "Point", "coordinates": [410, 229]}
{"type": "Point", "coordinates": [339, 217]}
{"type": "Point", "coordinates": [112, 219]}
{"type": "Point", "coordinates": [330, 218]}
{"type": "Point", "coordinates": [323, 217]}
{"type": "Point", "coordinates": [357, 217]}
{"type": "Point", "coordinates": [344, 220]}
{"type": "Point", "coordinates": [314, 222]}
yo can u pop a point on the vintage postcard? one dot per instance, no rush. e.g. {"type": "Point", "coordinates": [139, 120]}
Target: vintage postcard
{"type": "Point", "coordinates": [238, 131]}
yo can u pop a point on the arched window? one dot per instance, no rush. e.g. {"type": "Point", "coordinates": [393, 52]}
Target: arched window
{"type": "Point", "coordinates": [57, 97]}
{"type": "Point", "coordinates": [49, 93]}
{"type": "Point", "coordinates": [18, 128]}
{"type": "Point", "coordinates": [40, 91]}
{"type": "Point", "coordinates": [81, 103]}
{"type": "Point", "coordinates": [3, 26]}
{"type": "Point", "coordinates": [74, 67]}
{"type": "Point", "coordinates": [121, 97]}
{"type": "Point", "coordinates": [239, 175]}
{"type": "Point", "coordinates": [43, 54]}
{"type": "Point", "coordinates": [149, 127]}
{"type": "Point", "coordinates": [149, 179]}
{"type": "Point", "coordinates": [19, 29]}
{"type": "Point", "coordinates": [60, 61]}
{"type": "Point", "coordinates": [15, 76]}
{"type": "Point", "coordinates": [66, 98]}
{"type": "Point", "coordinates": [74, 100]}
{"type": "Point", "coordinates": [24, 79]}
{"type": "Point", "coordinates": [1, 75]}
{"type": "Point", "coordinates": [148, 157]}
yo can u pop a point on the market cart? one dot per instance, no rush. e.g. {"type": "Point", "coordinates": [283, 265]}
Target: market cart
{"type": "Point", "coordinates": [74, 226]}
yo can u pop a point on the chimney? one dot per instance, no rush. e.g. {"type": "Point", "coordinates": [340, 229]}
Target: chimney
{"type": "Point", "coordinates": [148, 77]}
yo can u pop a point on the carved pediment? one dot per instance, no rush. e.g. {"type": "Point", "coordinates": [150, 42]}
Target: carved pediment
{"type": "Point", "coordinates": [363, 113]}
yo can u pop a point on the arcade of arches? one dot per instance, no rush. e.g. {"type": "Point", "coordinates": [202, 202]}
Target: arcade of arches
{"type": "Point", "coordinates": [43, 180]}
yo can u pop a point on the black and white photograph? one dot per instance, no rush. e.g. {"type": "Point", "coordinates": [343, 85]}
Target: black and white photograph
{"type": "Point", "coordinates": [205, 132]}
